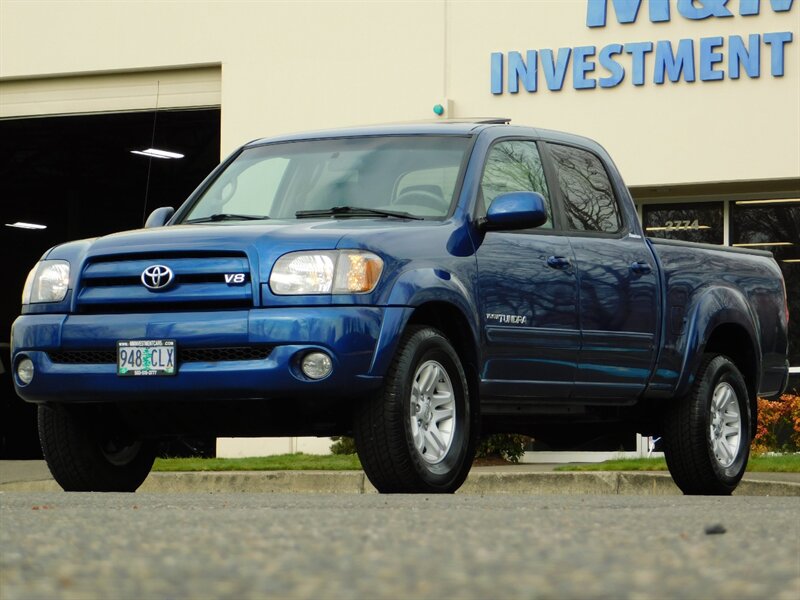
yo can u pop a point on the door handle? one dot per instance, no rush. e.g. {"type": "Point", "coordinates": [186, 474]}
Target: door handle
{"type": "Point", "coordinates": [641, 267]}
{"type": "Point", "coordinates": [558, 262]}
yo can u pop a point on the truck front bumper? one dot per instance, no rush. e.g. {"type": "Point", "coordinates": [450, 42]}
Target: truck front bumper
{"type": "Point", "coordinates": [356, 339]}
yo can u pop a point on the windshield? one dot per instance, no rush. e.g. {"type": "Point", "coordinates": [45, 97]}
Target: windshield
{"type": "Point", "coordinates": [399, 175]}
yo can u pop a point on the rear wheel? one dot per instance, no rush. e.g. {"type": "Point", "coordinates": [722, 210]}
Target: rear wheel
{"type": "Point", "coordinates": [418, 434]}
{"type": "Point", "coordinates": [707, 432]}
{"type": "Point", "coordinates": [88, 453]}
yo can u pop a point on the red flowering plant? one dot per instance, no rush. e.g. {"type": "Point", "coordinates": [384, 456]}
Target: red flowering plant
{"type": "Point", "coordinates": [778, 428]}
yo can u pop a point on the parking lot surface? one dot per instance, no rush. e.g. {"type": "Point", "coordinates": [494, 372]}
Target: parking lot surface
{"type": "Point", "coordinates": [57, 545]}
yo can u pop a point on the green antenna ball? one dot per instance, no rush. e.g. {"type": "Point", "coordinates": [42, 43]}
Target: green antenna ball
{"type": "Point", "coordinates": [438, 109]}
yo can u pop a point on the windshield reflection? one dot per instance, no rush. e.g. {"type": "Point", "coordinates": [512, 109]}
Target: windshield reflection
{"type": "Point", "coordinates": [414, 175]}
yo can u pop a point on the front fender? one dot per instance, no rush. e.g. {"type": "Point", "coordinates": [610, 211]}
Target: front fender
{"type": "Point", "coordinates": [429, 284]}
{"type": "Point", "coordinates": [714, 307]}
{"type": "Point", "coordinates": [412, 290]}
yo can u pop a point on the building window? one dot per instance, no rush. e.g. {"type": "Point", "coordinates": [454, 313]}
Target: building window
{"type": "Point", "coordinates": [696, 222]}
{"type": "Point", "coordinates": [774, 226]}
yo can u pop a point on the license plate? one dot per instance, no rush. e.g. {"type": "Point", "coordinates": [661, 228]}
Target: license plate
{"type": "Point", "coordinates": [146, 357]}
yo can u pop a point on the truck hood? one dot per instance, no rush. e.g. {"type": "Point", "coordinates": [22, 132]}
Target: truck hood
{"type": "Point", "coordinates": [222, 236]}
{"type": "Point", "coordinates": [289, 235]}
{"type": "Point", "coordinates": [263, 243]}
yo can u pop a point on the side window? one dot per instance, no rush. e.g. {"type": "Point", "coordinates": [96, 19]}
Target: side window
{"type": "Point", "coordinates": [587, 191]}
{"type": "Point", "coordinates": [514, 166]}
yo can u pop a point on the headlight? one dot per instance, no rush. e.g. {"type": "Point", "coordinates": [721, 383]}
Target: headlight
{"type": "Point", "coordinates": [47, 282]}
{"type": "Point", "coordinates": [334, 272]}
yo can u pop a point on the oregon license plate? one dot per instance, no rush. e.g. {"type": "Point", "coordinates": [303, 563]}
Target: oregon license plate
{"type": "Point", "coordinates": [146, 357]}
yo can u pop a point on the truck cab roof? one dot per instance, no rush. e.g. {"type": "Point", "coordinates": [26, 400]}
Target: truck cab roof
{"type": "Point", "coordinates": [456, 127]}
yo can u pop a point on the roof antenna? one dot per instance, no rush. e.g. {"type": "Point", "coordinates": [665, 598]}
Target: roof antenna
{"type": "Point", "coordinates": [150, 158]}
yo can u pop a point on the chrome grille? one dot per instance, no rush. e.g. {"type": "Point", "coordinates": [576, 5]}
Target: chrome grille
{"type": "Point", "coordinates": [112, 284]}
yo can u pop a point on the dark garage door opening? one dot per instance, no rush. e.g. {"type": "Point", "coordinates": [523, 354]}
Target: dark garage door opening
{"type": "Point", "coordinates": [76, 175]}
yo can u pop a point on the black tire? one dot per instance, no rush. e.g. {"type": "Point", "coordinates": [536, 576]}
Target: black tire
{"type": "Point", "coordinates": [384, 432]}
{"type": "Point", "coordinates": [701, 459]}
{"type": "Point", "coordinates": [84, 457]}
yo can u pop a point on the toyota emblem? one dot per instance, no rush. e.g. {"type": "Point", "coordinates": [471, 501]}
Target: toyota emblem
{"type": "Point", "coordinates": [157, 277]}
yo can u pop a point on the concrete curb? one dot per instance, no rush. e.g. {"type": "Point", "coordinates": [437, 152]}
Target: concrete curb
{"type": "Point", "coordinates": [355, 482]}
{"type": "Point", "coordinates": [296, 482]}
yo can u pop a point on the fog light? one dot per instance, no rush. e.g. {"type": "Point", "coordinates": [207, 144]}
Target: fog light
{"type": "Point", "coordinates": [316, 365]}
{"type": "Point", "coordinates": [25, 371]}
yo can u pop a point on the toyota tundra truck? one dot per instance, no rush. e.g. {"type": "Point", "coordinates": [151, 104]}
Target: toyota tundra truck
{"type": "Point", "coordinates": [413, 286]}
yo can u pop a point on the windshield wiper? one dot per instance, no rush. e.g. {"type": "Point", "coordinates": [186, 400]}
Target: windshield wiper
{"type": "Point", "coordinates": [227, 217]}
{"type": "Point", "coordinates": [354, 211]}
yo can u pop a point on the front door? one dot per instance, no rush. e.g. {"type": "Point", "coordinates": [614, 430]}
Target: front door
{"type": "Point", "coordinates": [528, 289]}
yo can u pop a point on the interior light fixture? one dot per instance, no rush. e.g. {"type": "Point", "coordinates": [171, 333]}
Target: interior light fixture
{"type": "Point", "coordinates": [774, 201]}
{"type": "Point", "coordinates": [156, 153]}
{"type": "Point", "coordinates": [23, 225]}
{"type": "Point", "coordinates": [791, 260]}
{"type": "Point", "coordinates": [765, 244]}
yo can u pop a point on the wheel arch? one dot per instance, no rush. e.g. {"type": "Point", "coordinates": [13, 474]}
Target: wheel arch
{"type": "Point", "coordinates": [453, 323]}
{"type": "Point", "coordinates": [721, 321]}
{"type": "Point", "coordinates": [734, 341]}
{"type": "Point", "coordinates": [444, 311]}
{"type": "Point", "coordinates": [432, 297]}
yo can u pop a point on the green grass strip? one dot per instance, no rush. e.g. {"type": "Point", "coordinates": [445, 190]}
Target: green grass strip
{"type": "Point", "coordinates": [787, 463]}
{"type": "Point", "coordinates": [282, 462]}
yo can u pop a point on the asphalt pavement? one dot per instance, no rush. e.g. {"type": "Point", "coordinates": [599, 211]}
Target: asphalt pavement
{"type": "Point", "coordinates": [240, 546]}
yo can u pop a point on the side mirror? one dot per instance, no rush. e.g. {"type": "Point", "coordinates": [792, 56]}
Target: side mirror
{"type": "Point", "coordinates": [516, 210]}
{"type": "Point", "coordinates": [159, 216]}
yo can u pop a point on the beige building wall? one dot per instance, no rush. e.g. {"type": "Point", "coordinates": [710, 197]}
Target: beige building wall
{"type": "Point", "coordinates": [293, 66]}
{"type": "Point", "coordinates": [115, 91]}
{"type": "Point", "coordinates": [247, 447]}
{"type": "Point", "coordinates": [289, 66]}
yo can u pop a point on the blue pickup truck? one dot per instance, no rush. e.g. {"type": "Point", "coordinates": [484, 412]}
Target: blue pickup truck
{"type": "Point", "coordinates": [412, 286]}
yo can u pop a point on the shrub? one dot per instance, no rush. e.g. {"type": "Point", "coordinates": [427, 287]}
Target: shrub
{"type": "Point", "coordinates": [343, 445]}
{"type": "Point", "coordinates": [778, 427]}
{"type": "Point", "coordinates": [509, 446]}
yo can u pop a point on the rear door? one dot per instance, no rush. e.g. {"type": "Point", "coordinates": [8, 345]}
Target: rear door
{"type": "Point", "coordinates": [527, 286]}
{"type": "Point", "coordinates": [617, 280]}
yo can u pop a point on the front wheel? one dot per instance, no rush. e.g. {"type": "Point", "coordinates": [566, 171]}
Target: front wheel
{"type": "Point", "coordinates": [418, 435]}
{"type": "Point", "coordinates": [707, 432]}
{"type": "Point", "coordinates": [86, 452]}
